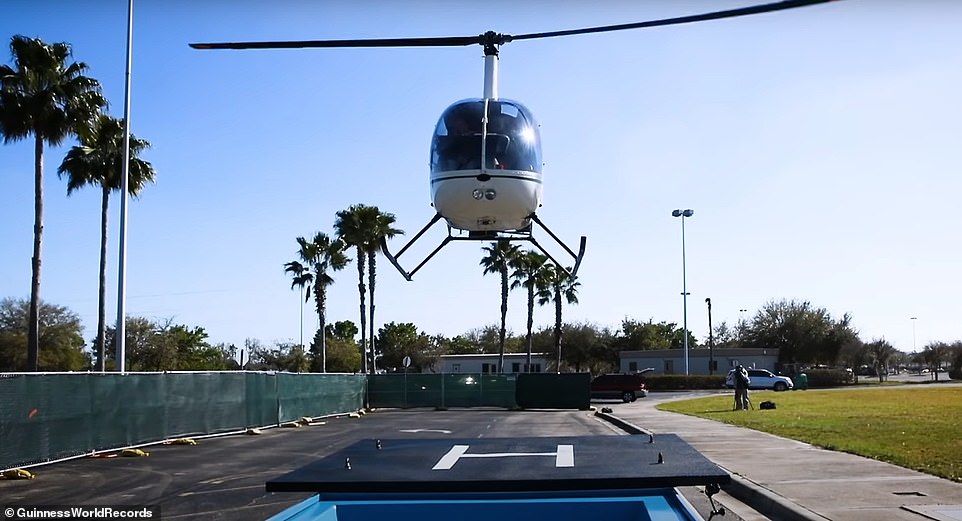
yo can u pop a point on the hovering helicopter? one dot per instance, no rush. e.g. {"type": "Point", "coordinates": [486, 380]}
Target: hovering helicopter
{"type": "Point", "coordinates": [486, 175]}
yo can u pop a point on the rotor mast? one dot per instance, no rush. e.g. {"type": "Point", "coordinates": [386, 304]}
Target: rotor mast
{"type": "Point", "coordinates": [490, 42]}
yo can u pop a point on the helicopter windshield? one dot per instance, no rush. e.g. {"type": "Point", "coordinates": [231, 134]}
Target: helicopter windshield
{"type": "Point", "coordinates": [509, 141]}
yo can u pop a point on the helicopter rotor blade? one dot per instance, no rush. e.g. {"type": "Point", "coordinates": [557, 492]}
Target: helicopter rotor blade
{"type": "Point", "coordinates": [447, 41]}
{"type": "Point", "coordinates": [716, 15]}
{"type": "Point", "coordinates": [491, 39]}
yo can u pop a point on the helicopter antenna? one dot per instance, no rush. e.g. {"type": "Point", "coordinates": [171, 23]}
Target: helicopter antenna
{"type": "Point", "coordinates": [491, 40]}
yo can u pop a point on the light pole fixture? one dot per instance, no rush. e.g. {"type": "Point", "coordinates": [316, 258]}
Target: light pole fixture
{"type": "Point", "coordinates": [684, 287]}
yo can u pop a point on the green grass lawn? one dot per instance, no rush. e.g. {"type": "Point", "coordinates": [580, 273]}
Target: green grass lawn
{"type": "Point", "coordinates": [919, 429]}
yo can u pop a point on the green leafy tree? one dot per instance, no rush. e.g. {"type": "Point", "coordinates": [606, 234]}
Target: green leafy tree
{"type": "Point", "coordinates": [343, 355]}
{"type": "Point", "coordinates": [934, 355]}
{"type": "Point", "coordinates": [500, 257]}
{"type": "Point", "coordinates": [364, 228]}
{"type": "Point", "coordinates": [530, 273]}
{"type": "Point", "coordinates": [317, 258]}
{"type": "Point", "coordinates": [156, 346]}
{"type": "Point", "coordinates": [284, 356]}
{"type": "Point", "coordinates": [98, 161]}
{"type": "Point", "coordinates": [643, 336]}
{"type": "Point", "coordinates": [587, 347]}
{"type": "Point", "coordinates": [955, 372]}
{"type": "Point", "coordinates": [855, 354]}
{"type": "Point", "coordinates": [400, 340]}
{"type": "Point", "coordinates": [726, 336]}
{"type": "Point", "coordinates": [228, 355]}
{"type": "Point", "coordinates": [458, 345]}
{"type": "Point", "coordinates": [800, 331]}
{"type": "Point", "coordinates": [880, 352]}
{"type": "Point", "coordinates": [46, 97]}
{"type": "Point", "coordinates": [343, 329]}
{"type": "Point", "coordinates": [488, 340]}
{"type": "Point", "coordinates": [138, 341]}
{"type": "Point", "coordinates": [61, 339]}
{"type": "Point", "coordinates": [559, 287]}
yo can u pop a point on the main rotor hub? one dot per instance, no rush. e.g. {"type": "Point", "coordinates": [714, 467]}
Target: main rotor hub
{"type": "Point", "coordinates": [491, 40]}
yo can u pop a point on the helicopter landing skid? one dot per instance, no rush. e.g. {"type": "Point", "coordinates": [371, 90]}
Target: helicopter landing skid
{"type": "Point", "coordinates": [521, 235]}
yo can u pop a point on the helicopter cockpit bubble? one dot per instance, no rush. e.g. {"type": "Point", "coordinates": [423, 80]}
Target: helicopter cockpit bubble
{"type": "Point", "coordinates": [507, 139]}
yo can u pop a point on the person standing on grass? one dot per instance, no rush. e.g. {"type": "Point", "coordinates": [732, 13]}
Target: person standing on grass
{"type": "Point", "coordinates": [741, 388]}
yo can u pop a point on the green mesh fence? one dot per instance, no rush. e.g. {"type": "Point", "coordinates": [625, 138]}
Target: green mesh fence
{"type": "Point", "coordinates": [261, 390]}
{"type": "Point", "coordinates": [307, 394]}
{"type": "Point", "coordinates": [51, 416]}
{"type": "Point", "coordinates": [441, 390]}
{"type": "Point", "coordinates": [205, 403]}
{"type": "Point", "coordinates": [554, 391]}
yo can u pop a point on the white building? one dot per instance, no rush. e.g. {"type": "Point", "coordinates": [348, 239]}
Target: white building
{"type": "Point", "coordinates": [488, 363]}
{"type": "Point", "coordinates": [672, 361]}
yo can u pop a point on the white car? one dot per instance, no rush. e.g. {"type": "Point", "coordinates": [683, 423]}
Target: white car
{"type": "Point", "coordinates": [762, 379]}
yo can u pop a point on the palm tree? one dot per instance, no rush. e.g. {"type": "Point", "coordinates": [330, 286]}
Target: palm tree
{"type": "Point", "coordinates": [380, 228]}
{"type": "Point", "coordinates": [316, 258]}
{"type": "Point", "coordinates": [45, 97]}
{"type": "Point", "coordinates": [559, 284]}
{"type": "Point", "coordinates": [98, 161]}
{"type": "Point", "coordinates": [364, 227]}
{"type": "Point", "coordinates": [529, 273]}
{"type": "Point", "coordinates": [500, 257]}
{"type": "Point", "coordinates": [350, 229]}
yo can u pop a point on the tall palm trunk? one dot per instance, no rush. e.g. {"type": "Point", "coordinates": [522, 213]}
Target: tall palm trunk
{"type": "Point", "coordinates": [557, 324]}
{"type": "Point", "coordinates": [360, 289]}
{"type": "Point", "coordinates": [102, 288]}
{"type": "Point", "coordinates": [33, 326]}
{"type": "Point", "coordinates": [371, 274]}
{"type": "Point", "coordinates": [504, 315]}
{"type": "Point", "coordinates": [530, 323]}
{"type": "Point", "coordinates": [320, 300]}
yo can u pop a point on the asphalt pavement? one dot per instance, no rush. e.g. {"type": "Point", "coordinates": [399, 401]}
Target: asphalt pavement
{"type": "Point", "coordinates": [785, 479]}
{"type": "Point", "coordinates": [224, 477]}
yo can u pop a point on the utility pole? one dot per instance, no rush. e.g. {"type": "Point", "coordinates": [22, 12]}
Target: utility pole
{"type": "Point", "coordinates": [711, 341]}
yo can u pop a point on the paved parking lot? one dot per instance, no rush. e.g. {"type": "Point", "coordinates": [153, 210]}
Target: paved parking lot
{"type": "Point", "coordinates": [223, 478]}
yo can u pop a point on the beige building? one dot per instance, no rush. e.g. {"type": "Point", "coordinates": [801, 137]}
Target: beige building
{"type": "Point", "coordinates": [672, 361]}
{"type": "Point", "coordinates": [488, 363]}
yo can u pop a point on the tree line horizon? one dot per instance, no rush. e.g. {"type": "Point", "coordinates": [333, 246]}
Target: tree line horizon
{"type": "Point", "coordinates": [162, 345]}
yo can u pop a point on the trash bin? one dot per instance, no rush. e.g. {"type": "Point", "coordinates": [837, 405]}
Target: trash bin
{"type": "Point", "coordinates": [801, 382]}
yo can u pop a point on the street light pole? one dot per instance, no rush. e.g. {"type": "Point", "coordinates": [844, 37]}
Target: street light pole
{"type": "Point", "coordinates": [120, 334]}
{"type": "Point", "coordinates": [711, 341]}
{"type": "Point", "coordinates": [914, 347]}
{"type": "Point", "coordinates": [684, 287]}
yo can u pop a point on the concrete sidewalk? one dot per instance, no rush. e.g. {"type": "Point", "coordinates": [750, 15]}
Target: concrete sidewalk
{"type": "Point", "coordinates": [789, 480]}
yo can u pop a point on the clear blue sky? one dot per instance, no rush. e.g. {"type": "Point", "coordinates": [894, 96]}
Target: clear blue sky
{"type": "Point", "coordinates": [818, 147]}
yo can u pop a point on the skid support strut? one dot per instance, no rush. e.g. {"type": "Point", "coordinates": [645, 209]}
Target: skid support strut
{"type": "Point", "coordinates": [523, 235]}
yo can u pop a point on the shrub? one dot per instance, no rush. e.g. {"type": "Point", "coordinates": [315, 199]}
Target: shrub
{"type": "Point", "coordinates": [675, 382]}
{"type": "Point", "coordinates": [955, 372]}
{"type": "Point", "coordinates": [827, 377]}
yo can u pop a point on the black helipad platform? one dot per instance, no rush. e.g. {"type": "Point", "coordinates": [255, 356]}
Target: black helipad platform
{"type": "Point", "coordinates": [505, 465]}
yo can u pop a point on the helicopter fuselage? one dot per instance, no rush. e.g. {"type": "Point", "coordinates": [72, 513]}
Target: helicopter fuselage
{"type": "Point", "coordinates": [486, 169]}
